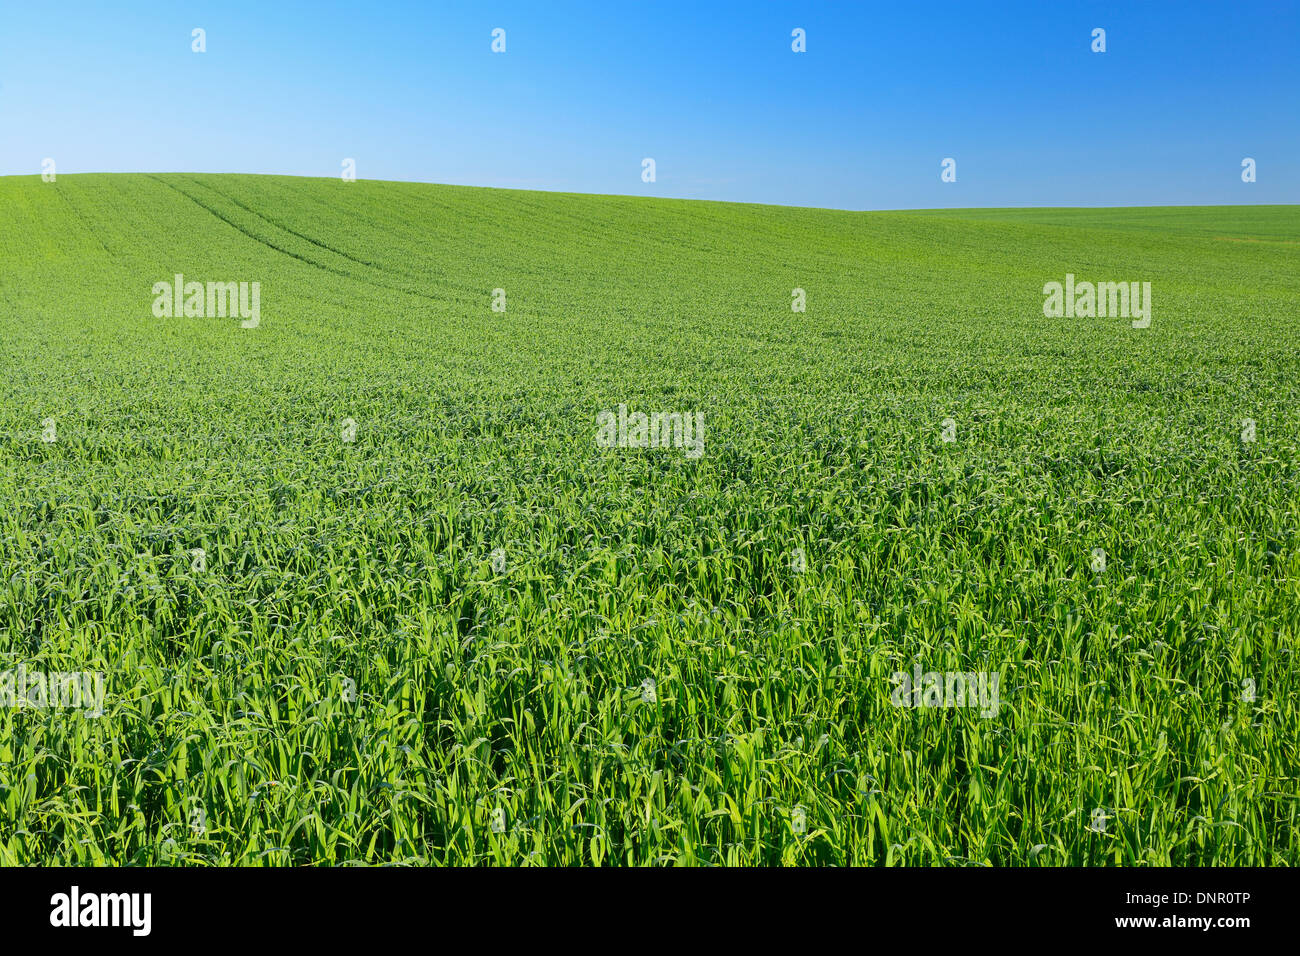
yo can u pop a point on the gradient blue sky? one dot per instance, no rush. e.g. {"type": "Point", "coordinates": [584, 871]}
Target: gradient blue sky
{"type": "Point", "coordinates": [712, 91]}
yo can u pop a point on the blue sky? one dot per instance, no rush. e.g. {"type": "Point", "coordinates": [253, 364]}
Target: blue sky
{"type": "Point", "coordinates": [711, 91]}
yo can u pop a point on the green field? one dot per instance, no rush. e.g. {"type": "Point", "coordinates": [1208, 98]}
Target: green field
{"type": "Point", "coordinates": [350, 677]}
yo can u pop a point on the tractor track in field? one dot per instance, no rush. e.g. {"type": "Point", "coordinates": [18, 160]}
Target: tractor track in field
{"type": "Point", "coordinates": [293, 255]}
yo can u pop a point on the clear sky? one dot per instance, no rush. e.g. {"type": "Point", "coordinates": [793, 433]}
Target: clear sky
{"type": "Point", "coordinates": [710, 90]}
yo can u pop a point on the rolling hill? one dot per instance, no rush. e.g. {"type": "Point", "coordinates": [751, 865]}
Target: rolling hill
{"type": "Point", "coordinates": [363, 585]}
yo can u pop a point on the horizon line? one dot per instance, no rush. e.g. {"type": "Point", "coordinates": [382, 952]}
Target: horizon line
{"type": "Point", "coordinates": [726, 202]}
